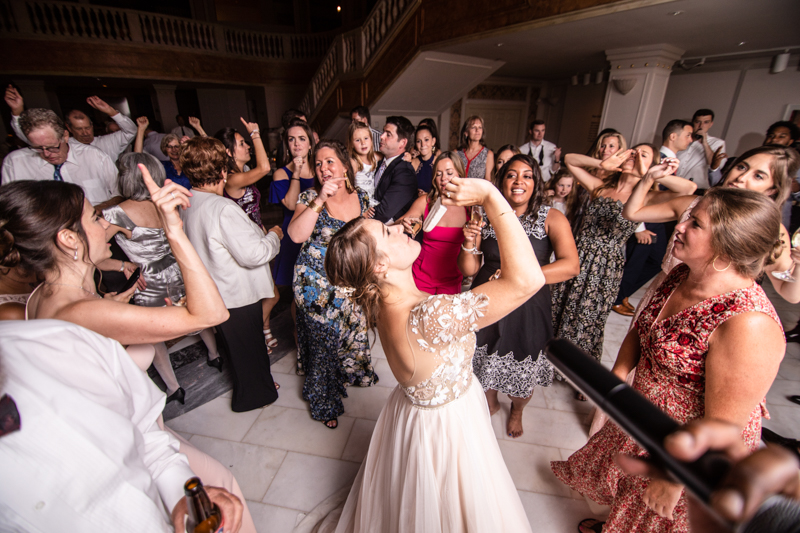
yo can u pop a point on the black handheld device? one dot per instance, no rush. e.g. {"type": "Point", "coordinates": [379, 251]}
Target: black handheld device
{"type": "Point", "coordinates": [131, 280]}
{"type": "Point", "coordinates": [635, 415]}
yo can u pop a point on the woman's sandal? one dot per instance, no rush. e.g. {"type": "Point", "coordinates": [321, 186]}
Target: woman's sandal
{"type": "Point", "coordinates": [581, 398]}
{"type": "Point", "coordinates": [271, 341]}
{"type": "Point", "coordinates": [334, 421]}
{"type": "Point", "coordinates": [597, 526]}
{"type": "Point", "coordinates": [277, 385]}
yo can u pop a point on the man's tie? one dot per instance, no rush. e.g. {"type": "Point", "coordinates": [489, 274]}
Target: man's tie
{"type": "Point", "coordinates": [57, 173]}
{"type": "Point", "coordinates": [541, 155]}
{"type": "Point", "coordinates": [379, 173]}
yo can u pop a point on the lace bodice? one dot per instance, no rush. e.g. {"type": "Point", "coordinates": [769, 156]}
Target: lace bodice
{"type": "Point", "coordinates": [442, 328]}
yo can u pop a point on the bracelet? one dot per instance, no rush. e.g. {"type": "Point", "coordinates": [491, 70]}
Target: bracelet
{"type": "Point", "coordinates": [470, 250]}
{"type": "Point", "coordinates": [294, 179]}
{"type": "Point", "coordinates": [314, 206]}
{"type": "Point", "coordinates": [121, 265]}
{"type": "Point", "coordinates": [505, 213]}
{"type": "Point", "coordinates": [254, 131]}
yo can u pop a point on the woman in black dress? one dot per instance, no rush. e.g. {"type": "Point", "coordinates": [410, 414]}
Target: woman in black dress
{"type": "Point", "coordinates": [508, 357]}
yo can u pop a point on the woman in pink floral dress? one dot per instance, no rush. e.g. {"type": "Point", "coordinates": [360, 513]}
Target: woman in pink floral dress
{"type": "Point", "coordinates": [709, 344]}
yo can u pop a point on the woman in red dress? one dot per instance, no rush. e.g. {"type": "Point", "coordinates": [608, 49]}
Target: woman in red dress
{"type": "Point", "coordinates": [708, 345]}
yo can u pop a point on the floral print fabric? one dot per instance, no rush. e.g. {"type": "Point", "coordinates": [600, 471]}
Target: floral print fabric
{"type": "Point", "coordinates": [671, 374]}
{"type": "Point", "coordinates": [333, 349]}
{"type": "Point", "coordinates": [581, 305]}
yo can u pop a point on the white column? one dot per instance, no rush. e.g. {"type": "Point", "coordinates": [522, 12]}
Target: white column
{"type": "Point", "coordinates": [166, 106]}
{"type": "Point", "coordinates": [636, 88]}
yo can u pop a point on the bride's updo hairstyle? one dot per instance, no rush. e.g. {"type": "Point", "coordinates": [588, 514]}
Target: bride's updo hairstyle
{"type": "Point", "coordinates": [31, 215]}
{"type": "Point", "coordinates": [745, 227]}
{"type": "Point", "coordinates": [350, 265]}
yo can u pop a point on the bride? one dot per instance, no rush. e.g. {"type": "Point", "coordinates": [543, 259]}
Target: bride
{"type": "Point", "coordinates": [433, 463]}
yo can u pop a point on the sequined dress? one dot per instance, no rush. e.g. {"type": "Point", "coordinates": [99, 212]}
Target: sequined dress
{"type": "Point", "coordinates": [433, 463]}
{"type": "Point", "coordinates": [671, 374]}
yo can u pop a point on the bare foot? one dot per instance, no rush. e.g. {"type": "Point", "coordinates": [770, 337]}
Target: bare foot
{"type": "Point", "coordinates": [514, 426]}
{"type": "Point", "coordinates": [590, 525]}
{"type": "Point", "coordinates": [494, 406]}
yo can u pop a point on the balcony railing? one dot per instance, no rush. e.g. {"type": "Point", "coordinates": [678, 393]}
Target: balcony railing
{"type": "Point", "coordinates": [81, 22]}
{"type": "Point", "coordinates": [356, 50]}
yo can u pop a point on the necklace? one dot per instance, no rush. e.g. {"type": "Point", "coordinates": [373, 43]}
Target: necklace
{"type": "Point", "coordinates": [76, 286]}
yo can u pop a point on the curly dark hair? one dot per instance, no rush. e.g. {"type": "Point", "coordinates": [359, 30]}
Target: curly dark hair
{"type": "Point", "coordinates": [537, 197]}
{"type": "Point", "coordinates": [203, 159]}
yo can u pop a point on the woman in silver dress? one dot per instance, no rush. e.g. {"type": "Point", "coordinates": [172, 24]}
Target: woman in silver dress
{"type": "Point", "coordinates": [138, 231]}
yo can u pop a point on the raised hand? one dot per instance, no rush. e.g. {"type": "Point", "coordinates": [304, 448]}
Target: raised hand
{"type": "Point", "coordinates": [667, 167]}
{"type": "Point", "coordinates": [615, 161]}
{"type": "Point", "coordinates": [101, 106]}
{"type": "Point", "coordinates": [194, 122]}
{"type": "Point", "coordinates": [467, 191]}
{"type": "Point", "coordinates": [142, 123]}
{"type": "Point", "coordinates": [719, 155]}
{"type": "Point", "coordinates": [330, 188]}
{"type": "Point", "coordinates": [639, 163]}
{"type": "Point", "coordinates": [249, 126]}
{"type": "Point", "coordinates": [557, 155]}
{"type": "Point", "coordinates": [167, 200]}
{"type": "Point", "coordinates": [14, 101]}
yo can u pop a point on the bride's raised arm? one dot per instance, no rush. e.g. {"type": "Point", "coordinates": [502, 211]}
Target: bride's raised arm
{"type": "Point", "coordinates": [521, 276]}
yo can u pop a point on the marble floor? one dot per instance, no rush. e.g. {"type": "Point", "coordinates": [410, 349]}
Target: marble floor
{"type": "Point", "coordinates": [286, 463]}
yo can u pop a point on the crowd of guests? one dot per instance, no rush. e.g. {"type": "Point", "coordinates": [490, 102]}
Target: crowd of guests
{"type": "Point", "coordinates": [371, 227]}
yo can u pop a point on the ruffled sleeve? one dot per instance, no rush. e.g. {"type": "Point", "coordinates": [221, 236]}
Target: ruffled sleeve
{"type": "Point", "coordinates": [445, 318]}
{"type": "Point", "coordinates": [278, 190]}
{"type": "Point", "coordinates": [117, 216]}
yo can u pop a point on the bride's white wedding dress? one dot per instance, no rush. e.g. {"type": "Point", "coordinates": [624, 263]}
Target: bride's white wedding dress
{"type": "Point", "coordinates": [433, 463]}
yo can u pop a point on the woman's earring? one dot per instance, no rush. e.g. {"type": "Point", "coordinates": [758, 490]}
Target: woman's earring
{"type": "Point", "coordinates": [385, 275]}
{"type": "Point", "coordinates": [75, 257]}
{"type": "Point", "coordinates": [714, 264]}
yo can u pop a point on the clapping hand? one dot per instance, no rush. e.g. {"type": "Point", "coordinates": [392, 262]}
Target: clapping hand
{"type": "Point", "coordinates": [615, 161]}
{"type": "Point", "coordinates": [167, 200]}
{"type": "Point", "coordinates": [99, 104]}
{"type": "Point", "coordinates": [14, 101]}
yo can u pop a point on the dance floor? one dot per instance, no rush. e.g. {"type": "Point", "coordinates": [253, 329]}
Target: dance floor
{"type": "Point", "coordinates": [286, 463]}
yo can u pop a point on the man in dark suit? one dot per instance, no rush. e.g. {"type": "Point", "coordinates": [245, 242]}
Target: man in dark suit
{"type": "Point", "coordinates": [395, 179]}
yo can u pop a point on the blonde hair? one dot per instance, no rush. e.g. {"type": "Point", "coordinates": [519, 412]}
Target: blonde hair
{"type": "Point", "coordinates": [351, 147]}
{"type": "Point", "coordinates": [745, 227]}
{"type": "Point", "coordinates": [596, 151]}
{"type": "Point", "coordinates": [434, 193]}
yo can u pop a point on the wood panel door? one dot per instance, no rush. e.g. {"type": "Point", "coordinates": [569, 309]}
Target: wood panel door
{"type": "Point", "coordinates": [504, 123]}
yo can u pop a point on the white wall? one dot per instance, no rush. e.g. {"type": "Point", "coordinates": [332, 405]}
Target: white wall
{"type": "Point", "coordinates": [743, 118]}
{"type": "Point", "coordinates": [581, 103]}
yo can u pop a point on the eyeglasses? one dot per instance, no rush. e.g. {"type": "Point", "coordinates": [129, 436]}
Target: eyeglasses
{"type": "Point", "coordinates": [47, 149]}
{"type": "Point", "coordinates": [173, 147]}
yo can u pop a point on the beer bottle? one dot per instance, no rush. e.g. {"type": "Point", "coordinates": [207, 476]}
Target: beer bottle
{"type": "Point", "coordinates": [204, 516]}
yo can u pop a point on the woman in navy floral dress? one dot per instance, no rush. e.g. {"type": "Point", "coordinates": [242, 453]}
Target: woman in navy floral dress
{"type": "Point", "coordinates": [333, 349]}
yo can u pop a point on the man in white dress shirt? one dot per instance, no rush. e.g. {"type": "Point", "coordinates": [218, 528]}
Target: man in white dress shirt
{"type": "Point", "coordinates": [52, 157]}
{"type": "Point", "coordinates": [80, 126]}
{"type": "Point", "coordinates": [543, 152]}
{"type": "Point", "coordinates": [182, 130]}
{"type": "Point", "coordinates": [696, 160]}
{"type": "Point", "coordinates": [81, 449]}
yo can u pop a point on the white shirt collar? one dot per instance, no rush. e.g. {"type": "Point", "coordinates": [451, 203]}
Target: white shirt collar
{"type": "Point", "coordinates": [667, 152]}
{"type": "Point", "coordinates": [388, 161]}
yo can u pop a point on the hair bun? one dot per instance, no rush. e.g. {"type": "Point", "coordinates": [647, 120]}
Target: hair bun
{"type": "Point", "coordinates": [9, 254]}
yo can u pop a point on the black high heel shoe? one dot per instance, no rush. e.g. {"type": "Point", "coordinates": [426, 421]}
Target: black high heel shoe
{"type": "Point", "coordinates": [216, 363]}
{"type": "Point", "coordinates": [179, 395]}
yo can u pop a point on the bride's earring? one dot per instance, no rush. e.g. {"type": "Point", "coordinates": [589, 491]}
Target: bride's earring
{"type": "Point", "coordinates": [75, 257]}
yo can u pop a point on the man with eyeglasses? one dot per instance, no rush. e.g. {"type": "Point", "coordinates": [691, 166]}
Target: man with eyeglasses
{"type": "Point", "coordinates": [80, 126]}
{"type": "Point", "coordinates": [52, 157]}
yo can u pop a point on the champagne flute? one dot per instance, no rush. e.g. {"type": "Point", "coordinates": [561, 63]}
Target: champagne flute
{"type": "Point", "coordinates": [476, 215]}
{"type": "Point", "coordinates": [786, 275]}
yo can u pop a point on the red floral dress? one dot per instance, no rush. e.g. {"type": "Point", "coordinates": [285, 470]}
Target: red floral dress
{"type": "Point", "coordinates": [671, 374]}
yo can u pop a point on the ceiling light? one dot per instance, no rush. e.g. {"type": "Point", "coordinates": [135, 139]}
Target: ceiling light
{"type": "Point", "coordinates": [499, 45]}
{"type": "Point", "coordinates": [742, 43]}
{"type": "Point", "coordinates": [675, 13]}
{"type": "Point", "coordinates": [338, 8]}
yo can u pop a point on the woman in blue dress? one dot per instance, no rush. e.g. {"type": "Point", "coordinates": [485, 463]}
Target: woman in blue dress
{"type": "Point", "coordinates": [288, 182]}
{"type": "Point", "coordinates": [333, 349]}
